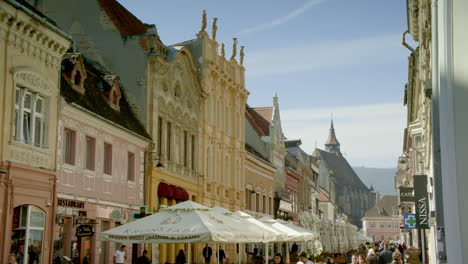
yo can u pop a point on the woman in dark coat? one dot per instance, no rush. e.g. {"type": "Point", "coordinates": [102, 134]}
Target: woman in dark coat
{"type": "Point", "coordinates": [180, 259]}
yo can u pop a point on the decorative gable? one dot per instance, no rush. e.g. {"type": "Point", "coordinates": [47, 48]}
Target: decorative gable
{"type": "Point", "coordinates": [74, 71]}
{"type": "Point", "coordinates": [112, 91]}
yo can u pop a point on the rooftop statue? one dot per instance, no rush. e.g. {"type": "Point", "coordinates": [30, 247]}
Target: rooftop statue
{"type": "Point", "coordinates": [234, 48]}
{"type": "Point", "coordinates": [214, 29]}
{"type": "Point", "coordinates": [242, 55]}
{"type": "Point", "coordinates": [203, 27]}
{"type": "Point", "coordinates": [222, 50]}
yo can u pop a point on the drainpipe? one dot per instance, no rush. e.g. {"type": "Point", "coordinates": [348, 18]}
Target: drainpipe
{"type": "Point", "coordinates": [439, 212]}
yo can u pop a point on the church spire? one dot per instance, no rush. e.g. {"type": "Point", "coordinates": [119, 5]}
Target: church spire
{"type": "Point", "coordinates": [332, 144]}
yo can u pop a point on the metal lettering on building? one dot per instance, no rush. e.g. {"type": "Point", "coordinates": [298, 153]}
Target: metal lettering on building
{"type": "Point", "coordinates": [422, 203]}
{"type": "Point", "coordinates": [70, 203]}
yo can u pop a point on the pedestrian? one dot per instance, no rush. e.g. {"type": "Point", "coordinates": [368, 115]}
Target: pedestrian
{"type": "Point", "coordinates": [207, 252]}
{"type": "Point", "coordinates": [278, 259]}
{"type": "Point", "coordinates": [396, 258]}
{"type": "Point", "coordinates": [385, 255]}
{"type": "Point", "coordinates": [372, 257]}
{"type": "Point", "coordinates": [304, 259]}
{"type": "Point", "coordinates": [143, 259]}
{"type": "Point", "coordinates": [294, 248]}
{"type": "Point", "coordinates": [355, 258]}
{"type": "Point", "coordinates": [12, 259]}
{"type": "Point", "coordinates": [221, 255]}
{"type": "Point", "coordinates": [120, 255]}
{"type": "Point", "coordinates": [362, 259]}
{"type": "Point", "coordinates": [180, 259]}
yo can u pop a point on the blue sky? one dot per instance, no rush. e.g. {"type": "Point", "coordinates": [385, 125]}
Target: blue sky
{"type": "Point", "coordinates": [320, 56]}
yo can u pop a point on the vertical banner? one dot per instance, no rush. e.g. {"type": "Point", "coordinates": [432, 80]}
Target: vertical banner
{"type": "Point", "coordinates": [422, 203]}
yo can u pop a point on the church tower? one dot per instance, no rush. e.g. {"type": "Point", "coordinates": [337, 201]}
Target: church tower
{"type": "Point", "coordinates": [332, 144]}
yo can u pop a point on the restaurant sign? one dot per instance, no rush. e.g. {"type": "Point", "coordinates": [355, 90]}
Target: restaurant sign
{"type": "Point", "coordinates": [422, 203]}
{"type": "Point", "coordinates": [70, 203]}
{"type": "Point", "coordinates": [84, 231]}
{"type": "Point", "coordinates": [406, 194]}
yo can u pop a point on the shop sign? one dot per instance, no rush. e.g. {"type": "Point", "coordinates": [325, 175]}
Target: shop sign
{"type": "Point", "coordinates": [285, 206]}
{"type": "Point", "coordinates": [84, 231]}
{"type": "Point", "coordinates": [406, 208]}
{"type": "Point", "coordinates": [422, 203]}
{"type": "Point", "coordinates": [70, 203]}
{"type": "Point", "coordinates": [406, 194]}
{"type": "Point", "coordinates": [409, 221]}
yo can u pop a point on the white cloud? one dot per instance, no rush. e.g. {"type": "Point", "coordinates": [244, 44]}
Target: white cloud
{"type": "Point", "coordinates": [324, 55]}
{"type": "Point", "coordinates": [370, 135]}
{"type": "Point", "coordinates": [291, 15]}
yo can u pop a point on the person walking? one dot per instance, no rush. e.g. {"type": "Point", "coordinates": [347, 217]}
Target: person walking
{"type": "Point", "coordinates": [396, 258]}
{"type": "Point", "coordinates": [207, 252]}
{"type": "Point", "coordinates": [385, 255]}
{"type": "Point", "coordinates": [372, 257]}
{"type": "Point", "coordinates": [120, 255]}
{"type": "Point", "coordinates": [12, 259]}
{"type": "Point", "coordinates": [221, 255]}
{"type": "Point", "coordinates": [180, 259]}
{"type": "Point", "coordinates": [304, 259]}
{"type": "Point", "coordinates": [143, 259]}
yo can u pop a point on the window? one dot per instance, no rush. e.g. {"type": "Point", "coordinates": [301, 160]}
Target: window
{"type": "Point", "coordinates": [107, 159]}
{"type": "Point", "coordinates": [90, 153]}
{"type": "Point", "coordinates": [192, 152]}
{"type": "Point", "coordinates": [185, 149]}
{"type": "Point", "coordinates": [169, 138]}
{"type": "Point", "coordinates": [264, 204]}
{"type": "Point", "coordinates": [28, 234]}
{"type": "Point", "coordinates": [69, 151]}
{"type": "Point", "coordinates": [247, 199]}
{"type": "Point", "coordinates": [382, 225]}
{"type": "Point", "coordinates": [131, 166]}
{"type": "Point", "coordinates": [160, 123]}
{"type": "Point", "coordinates": [30, 118]}
{"type": "Point", "coordinates": [372, 224]}
{"type": "Point", "coordinates": [77, 80]}
{"type": "Point", "coordinates": [389, 225]}
{"type": "Point", "coordinates": [257, 202]}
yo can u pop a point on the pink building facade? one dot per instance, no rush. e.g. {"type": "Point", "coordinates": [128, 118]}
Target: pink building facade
{"type": "Point", "coordinates": [100, 170]}
{"type": "Point", "coordinates": [381, 222]}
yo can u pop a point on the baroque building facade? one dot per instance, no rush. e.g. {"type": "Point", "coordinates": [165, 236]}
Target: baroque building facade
{"type": "Point", "coordinates": [31, 51]}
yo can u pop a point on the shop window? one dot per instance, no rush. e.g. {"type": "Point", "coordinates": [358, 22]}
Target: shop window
{"type": "Point", "coordinates": [69, 145]}
{"type": "Point", "coordinates": [90, 153]}
{"type": "Point", "coordinates": [28, 234]}
{"type": "Point", "coordinates": [30, 117]}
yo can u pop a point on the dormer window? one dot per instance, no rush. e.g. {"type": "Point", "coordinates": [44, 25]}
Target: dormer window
{"type": "Point", "coordinates": [112, 91]}
{"type": "Point", "coordinates": [77, 79]}
{"type": "Point", "coordinates": [74, 71]}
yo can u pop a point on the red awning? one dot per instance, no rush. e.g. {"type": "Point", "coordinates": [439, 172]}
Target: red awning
{"type": "Point", "coordinates": [171, 191]}
{"type": "Point", "coordinates": [165, 190]}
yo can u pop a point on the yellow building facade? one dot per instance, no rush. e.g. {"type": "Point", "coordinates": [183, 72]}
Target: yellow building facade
{"type": "Point", "coordinates": [196, 101]}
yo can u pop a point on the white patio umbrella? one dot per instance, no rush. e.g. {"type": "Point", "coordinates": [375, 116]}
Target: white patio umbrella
{"type": "Point", "coordinates": [310, 237]}
{"type": "Point", "coordinates": [186, 222]}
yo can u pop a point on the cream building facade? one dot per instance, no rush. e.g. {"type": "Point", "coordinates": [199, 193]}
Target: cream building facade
{"type": "Point", "coordinates": [31, 49]}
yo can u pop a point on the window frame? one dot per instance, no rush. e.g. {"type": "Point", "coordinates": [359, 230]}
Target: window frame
{"type": "Point", "coordinates": [21, 91]}
{"type": "Point", "coordinates": [92, 154]}
{"type": "Point", "coordinates": [69, 151]}
{"type": "Point", "coordinates": [107, 159]}
{"type": "Point", "coordinates": [131, 166]}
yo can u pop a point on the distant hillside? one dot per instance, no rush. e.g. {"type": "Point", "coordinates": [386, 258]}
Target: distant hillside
{"type": "Point", "coordinates": [381, 179]}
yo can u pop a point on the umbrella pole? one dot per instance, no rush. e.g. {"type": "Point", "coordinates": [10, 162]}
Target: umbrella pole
{"type": "Point", "coordinates": [287, 253]}
{"type": "Point", "coordinates": [239, 254]}
{"type": "Point", "coordinates": [189, 253]}
{"type": "Point", "coordinates": [266, 253]}
{"type": "Point", "coordinates": [217, 253]}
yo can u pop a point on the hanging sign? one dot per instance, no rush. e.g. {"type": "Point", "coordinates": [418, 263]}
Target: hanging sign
{"type": "Point", "coordinates": [84, 231]}
{"type": "Point", "coordinates": [409, 221]}
{"type": "Point", "coordinates": [422, 203]}
{"type": "Point", "coordinates": [406, 194]}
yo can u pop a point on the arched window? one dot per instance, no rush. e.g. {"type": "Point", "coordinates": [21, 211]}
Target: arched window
{"type": "Point", "coordinates": [28, 234]}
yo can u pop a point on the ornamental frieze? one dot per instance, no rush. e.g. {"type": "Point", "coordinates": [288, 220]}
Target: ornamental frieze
{"type": "Point", "coordinates": [35, 82]}
{"type": "Point", "coordinates": [29, 157]}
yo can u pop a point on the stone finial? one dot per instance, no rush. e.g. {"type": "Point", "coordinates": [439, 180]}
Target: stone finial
{"type": "Point", "coordinates": [222, 50]}
{"type": "Point", "coordinates": [203, 27]}
{"type": "Point", "coordinates": [242, 55]}
{"type": "Point", "coordinates": [214, 29]}
{"type": "Point", "coordinates": [234, 48]}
